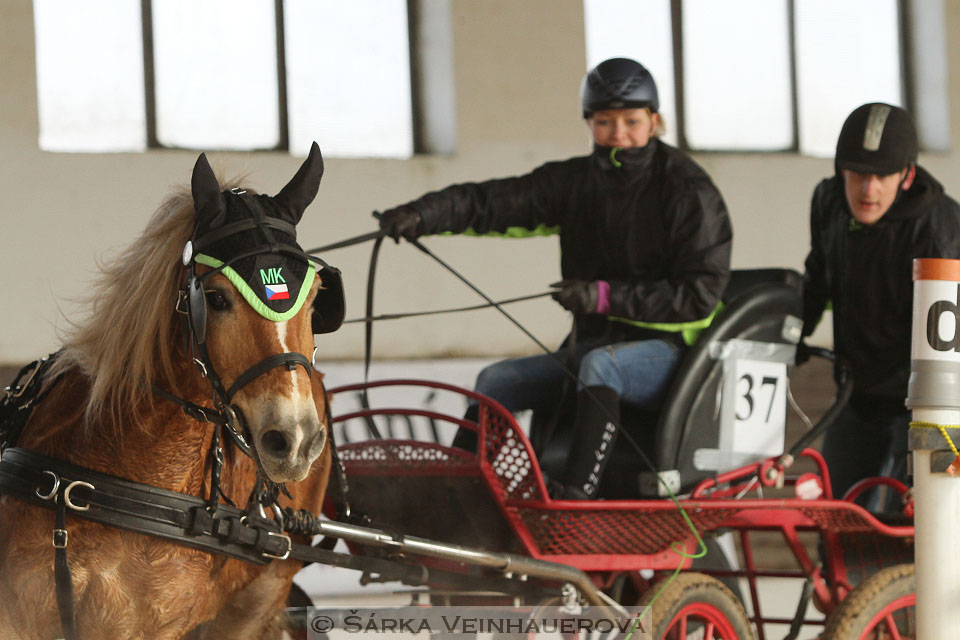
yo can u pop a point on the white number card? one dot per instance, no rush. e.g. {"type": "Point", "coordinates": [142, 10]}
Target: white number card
{"type": "Point", "coordinates": [759, 408]}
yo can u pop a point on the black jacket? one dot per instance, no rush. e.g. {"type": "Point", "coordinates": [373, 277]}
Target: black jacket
{"type": "Point", "coordinates": [867, 274]}
{"type": "Point", "coordinates": [655, 228]}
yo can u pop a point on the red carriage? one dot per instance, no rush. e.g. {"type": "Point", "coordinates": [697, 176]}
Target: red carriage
{"type": "Point", "coordinates": [494, 501]}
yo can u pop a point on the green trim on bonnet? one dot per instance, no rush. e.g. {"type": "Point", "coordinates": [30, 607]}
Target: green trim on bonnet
{"type": "Point", "coordinates": [511, 232]}
{"type": "Point", "coordinates": [253, 299]}
{"type": "Point", "coordinates": [690, 330]}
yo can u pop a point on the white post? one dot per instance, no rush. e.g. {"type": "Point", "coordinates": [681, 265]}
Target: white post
{"type": "Point", "coordinates": [934, 397]}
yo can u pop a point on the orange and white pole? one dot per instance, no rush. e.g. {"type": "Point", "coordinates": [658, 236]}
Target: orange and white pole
{"type": "Point", "coordinates": [934, 399]}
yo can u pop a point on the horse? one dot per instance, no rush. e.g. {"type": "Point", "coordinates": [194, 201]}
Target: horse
{"type": "Point", "coordinates": [170, 322]}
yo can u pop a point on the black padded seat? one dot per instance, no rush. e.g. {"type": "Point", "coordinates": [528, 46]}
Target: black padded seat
{"type": "Point", "coordinates": [756, 304]}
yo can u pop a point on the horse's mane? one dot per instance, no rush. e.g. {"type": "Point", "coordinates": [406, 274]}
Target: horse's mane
{"type": "Point", "coordinates": [129, 336]}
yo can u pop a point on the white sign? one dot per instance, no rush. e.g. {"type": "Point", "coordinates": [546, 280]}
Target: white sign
{"type": "Point", "coordinates": [755, 413]}
{"type": "Point", "coordinates": [936, 320]}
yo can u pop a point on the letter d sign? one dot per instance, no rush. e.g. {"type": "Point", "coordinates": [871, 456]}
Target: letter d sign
{"type": "Point", "coordinates": [936, 310]}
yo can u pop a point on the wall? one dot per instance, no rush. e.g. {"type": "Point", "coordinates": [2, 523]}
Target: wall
{"type": "Point", "coordinates": [518, 67]}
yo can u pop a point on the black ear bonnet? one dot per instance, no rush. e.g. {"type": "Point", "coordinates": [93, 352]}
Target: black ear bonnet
{"type": "Point", "coordinates": [252, 240]}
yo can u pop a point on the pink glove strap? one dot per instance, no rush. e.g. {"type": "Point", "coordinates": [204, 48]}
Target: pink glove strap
{"type": "Point", "coordinates": [603, 296]}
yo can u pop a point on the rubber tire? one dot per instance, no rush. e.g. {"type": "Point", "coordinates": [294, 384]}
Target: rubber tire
{"type": "Point", "coordinates": [714, 560]}
{"type": "Point", "coordinates": [691, 588]}
{"type": "Point", "coordinates": [850, 620]}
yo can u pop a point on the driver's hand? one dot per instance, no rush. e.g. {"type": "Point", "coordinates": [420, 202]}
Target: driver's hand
{"type": "Point", "coordinates": [577, 296]}
{"type": "Point", "coordinates": [402, 221]}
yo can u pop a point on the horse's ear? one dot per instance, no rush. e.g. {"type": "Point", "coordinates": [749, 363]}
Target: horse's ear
{"type": "Point", "coordinates": [302, 188]}
{"type": "Point", "coordinates": [207, 201]}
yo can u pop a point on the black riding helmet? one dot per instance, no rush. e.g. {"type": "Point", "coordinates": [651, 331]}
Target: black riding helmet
{"type": "Point", "coordinates": [618, 83]}
{"type": "Point", "coordinates": [877, 138]}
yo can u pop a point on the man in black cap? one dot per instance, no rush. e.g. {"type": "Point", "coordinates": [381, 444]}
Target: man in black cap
{"type": "Point", "coordinates": [867, 223]}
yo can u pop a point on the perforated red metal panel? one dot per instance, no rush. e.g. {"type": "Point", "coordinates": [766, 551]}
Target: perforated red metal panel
{"type": "Point", "coordinates": [838, 520]}
{"type": "Point", "coordinates": [408, 457]}
{"type": "Point", "coordinates": [626, 531]}
{"type": "Point", "coordinates": [508, 457]}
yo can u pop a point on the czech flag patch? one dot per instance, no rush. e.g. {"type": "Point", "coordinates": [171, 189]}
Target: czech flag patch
{"type": "Point", "coordinates": [277, 292]}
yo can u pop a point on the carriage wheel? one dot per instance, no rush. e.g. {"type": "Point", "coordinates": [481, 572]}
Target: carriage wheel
{"type": "Point", "coordinates": [882, 607]}
{"type": "Point", "coordinates": [695, 605]}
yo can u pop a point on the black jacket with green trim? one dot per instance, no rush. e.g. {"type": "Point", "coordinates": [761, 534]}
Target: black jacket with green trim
{"type": "Point", "coordinates": [649, 221]}
{"type": "Point", "coordinates": [866, 273]}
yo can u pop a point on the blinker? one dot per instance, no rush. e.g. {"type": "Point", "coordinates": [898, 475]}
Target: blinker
{"type": "Point", "coordinates": [197, 306]}
{"type": "Point", "coordinates": [329, 307]}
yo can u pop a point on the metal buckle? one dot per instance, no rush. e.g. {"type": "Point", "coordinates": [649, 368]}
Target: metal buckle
{"type": "Point", "coordinates": [181, 306]}
{"type": "Point", "coordinates": [53, 492]}
{"type": "Point", "coordinates": [286, 554]}
{"type": "Point", "coordinates": [232, 419]}
{"type": "Point", "coordinates": [70, 487]}
{"type": "Point", "coordinates": [60, 538]}
{"type": "Point", "coordinates": [16, 392]}
{"type": "Point", "coordinates": [203, 367]}
{"type": "Point", "coordinates": [278, 516]}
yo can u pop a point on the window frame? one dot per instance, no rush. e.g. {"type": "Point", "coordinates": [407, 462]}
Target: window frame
{"type": "Point", "coordinates": [907, 85]}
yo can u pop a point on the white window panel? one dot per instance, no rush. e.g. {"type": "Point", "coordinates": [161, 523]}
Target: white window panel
{"type": "Point", "coordinates": [90, 75]}
{"type": "Point", "coordinates": [638, 30]}
{"type": "Point", "coordinates": [848, 53]}
{"type": "Point", "coordinates": [736, 77]}
{"type": "Point", "coordinates": [348, 77]}
{"type": "Point", "coordinates": [215, 64]}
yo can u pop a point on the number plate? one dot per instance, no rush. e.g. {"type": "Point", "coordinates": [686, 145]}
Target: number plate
{"type": "Point", "coordinates": [755, 414]}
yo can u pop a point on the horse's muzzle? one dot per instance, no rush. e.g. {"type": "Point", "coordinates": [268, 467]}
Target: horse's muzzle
{"type": "Point", "coordinates": [287, 451]}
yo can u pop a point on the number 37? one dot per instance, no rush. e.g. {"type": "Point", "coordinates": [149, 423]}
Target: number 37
{"type": "Point", "coordinates": [766, 381]}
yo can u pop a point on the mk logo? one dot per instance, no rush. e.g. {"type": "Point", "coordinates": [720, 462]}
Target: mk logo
{"type": "Point", "coordinates": [271, 275]}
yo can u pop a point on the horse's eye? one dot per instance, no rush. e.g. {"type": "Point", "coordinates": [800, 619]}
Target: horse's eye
{"type": "Point", "coordinates": [217, 301]}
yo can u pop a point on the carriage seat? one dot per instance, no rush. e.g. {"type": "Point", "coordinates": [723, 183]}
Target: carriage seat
{"type": "Point", "coordinates": [760, 306]}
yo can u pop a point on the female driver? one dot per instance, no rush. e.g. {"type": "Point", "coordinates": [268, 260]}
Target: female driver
{"type": "Point", "coordinates": [645, 241]}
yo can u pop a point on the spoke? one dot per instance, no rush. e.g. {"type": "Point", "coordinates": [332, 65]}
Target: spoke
{"type": "Point", "coordinates": [708, 634]}
{"type": "Point", "coordinates": [892, 628]}
{"type": "Point", "coordinates": [682, 631]}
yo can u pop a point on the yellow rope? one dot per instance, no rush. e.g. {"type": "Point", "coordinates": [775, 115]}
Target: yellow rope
{"type": "Point", "coordinates": [943, 431]}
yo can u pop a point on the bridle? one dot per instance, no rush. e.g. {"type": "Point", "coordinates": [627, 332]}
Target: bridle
{"type": "Point", "coordinates": [192, 305]}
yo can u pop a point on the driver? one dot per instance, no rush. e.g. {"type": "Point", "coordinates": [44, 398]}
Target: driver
{"type": "Point", "coordinates": [645, 240]}
{"type": "Point", "coordinates": [867, 223]}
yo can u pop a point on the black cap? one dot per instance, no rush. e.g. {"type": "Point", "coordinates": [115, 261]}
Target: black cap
{"type": "Point", "coordinates": [618, 83]}
{"type": "Point", "coordinates": [877, 138]}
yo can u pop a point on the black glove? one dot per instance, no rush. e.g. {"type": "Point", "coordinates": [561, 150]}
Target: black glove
{"type": "Point", "coordinates": [402, 221]}
{"type": "Point", "coordinates": [577, 296]}
{"type": "Point", "coordinates": [803, 353]}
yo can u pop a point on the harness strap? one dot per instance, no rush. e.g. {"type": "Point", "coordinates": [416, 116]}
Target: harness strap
{"type": "Point", "coordinates": [289, 360]}
{"type": "Point", "coordinates": [195, 411]}
{"type": "Point", "coordinates": [246, 224]}
{"type": "Point", "coordinates": [61, 570]}
{"type": "Point", "coordinates": [140, 508]}
{"type": "Point", "coordinates": [24, 393]}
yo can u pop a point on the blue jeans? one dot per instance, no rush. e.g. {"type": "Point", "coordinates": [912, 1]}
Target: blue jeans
{"type": "Point", "coordinates": [638, 371]}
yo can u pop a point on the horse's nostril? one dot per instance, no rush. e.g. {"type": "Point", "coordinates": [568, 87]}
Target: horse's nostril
{"type": "Point", "coordinates": [275, 443]}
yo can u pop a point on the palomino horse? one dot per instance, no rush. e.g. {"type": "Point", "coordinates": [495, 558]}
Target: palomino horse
{"type": "Point", "coordinates": [172, 324]}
